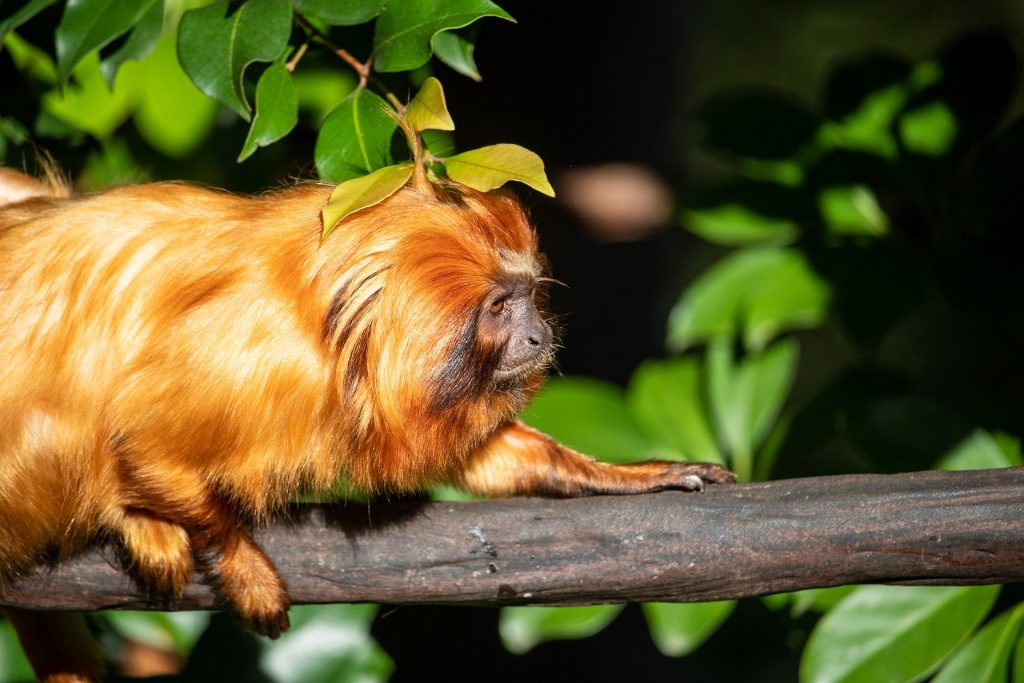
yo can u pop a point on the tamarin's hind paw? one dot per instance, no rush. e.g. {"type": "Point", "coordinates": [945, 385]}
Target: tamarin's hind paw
{"type": "Point", "coordinates": [250, 582]}
{"type": "Point", "coordinates": [269, 621]}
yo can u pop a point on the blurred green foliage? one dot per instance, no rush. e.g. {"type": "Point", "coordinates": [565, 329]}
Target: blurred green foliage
{"type": "Point", "coordinates": [883, 226]}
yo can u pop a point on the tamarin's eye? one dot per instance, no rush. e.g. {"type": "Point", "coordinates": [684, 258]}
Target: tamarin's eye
{"type": "Point", "coordinates": [497, 307]}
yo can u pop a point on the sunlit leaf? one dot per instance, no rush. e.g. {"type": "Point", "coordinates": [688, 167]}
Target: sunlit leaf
{"type": "Point", "coordinates": [666, 399]}
{"type": "Point", "coordinates": [892, 633]}
{"type": "Point", "coordinates": [986, 657]}
{"type": "Point", "coordinates": [87, 102]}
{"type": "Point", "coordinates": [21, 15]}
{"type": "Point", "coordinates": [753, 293]}
{"type": "Point", "coordinates": [487, 168]}
{"type": "Point", "coordinates": [978, 451]}
{"type": "Point", "coordinates": [852, 210]}
{"type": "Point", "coordinates": [428, 109]}
{"type": "Point", "coordinates": [355, 138]}
{"type": "Point", "coordinates": [817, 599]}
{"type": "Point", "coordinates": [170, 631]}
{"type": "Point", "coordinates": [327, 644]}
{"type": "Point", "coordinates": [216, 43]}
{"type": "Point", "coordinates": [174, 117]}
{"type": "Point", "coordinates": [405, 29]}
{"type": "Point", "coordinates": [277, 109]}
{"type": "Point", "coordinates": [869, 127]}
{"type": "Point", "coordinates": [523, 628]}
{"type": "Point", "coordinates": [746, 395]}
{"type": "Point", "coordinates": [335, 13]}
{"type": "Point", "coordinates": [140, 42]}
{"type": "Point", "coordinates": [88, 25]}
{"type": "Point", "coordinates": [736, 224]}
{"type": "Point", "coordinates": [591, 416]}
{"type": "Point", "coordinates": [360, 193]}
{"type": "Point", "coordinates": [929, 130]}
{"type": "Point", "coordinates": [680, 628]}
{"type": "Point", "coordinates": [455, 48]}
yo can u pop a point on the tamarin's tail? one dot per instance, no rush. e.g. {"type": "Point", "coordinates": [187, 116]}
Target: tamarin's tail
{"type": "Point", "coordinates": [58, 645]}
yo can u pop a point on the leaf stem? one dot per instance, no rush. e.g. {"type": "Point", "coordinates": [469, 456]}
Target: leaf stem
{"type": "Point", "coordinates": [294, 61]}
{"type": "Point", "coordinates": [361, 68]}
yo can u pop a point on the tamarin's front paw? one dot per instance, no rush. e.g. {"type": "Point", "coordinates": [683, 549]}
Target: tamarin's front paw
{"type": "Point", "coordinates": [694, 476]}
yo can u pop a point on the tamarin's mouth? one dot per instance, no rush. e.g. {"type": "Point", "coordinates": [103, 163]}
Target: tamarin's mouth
{"type": "Point", "coordinates": [524, 369]}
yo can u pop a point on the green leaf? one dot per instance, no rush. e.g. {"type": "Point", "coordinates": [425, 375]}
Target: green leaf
{"type": "Point", "coordinates": [868, 128]}
{"type": "Point", "coordinates": [88, 104]}
{"type": "Point", "coordinates": [489, 167]}
{"type": "Point", "coordinates": [360, 193]}
{"type": "Point", "coordinates": [406, 28]}
{"type": "Point", "coordinates": [455, 48]}
{"type": "Point", "coordinates": [327, 644]}
{"type": "Point", "coordinates": [174, 117]}
{"type": "Point", "coordinates": [978, 451]}
{"type": "Point", "coordinates": [679, 629]}
{"type": "Point", "coordinates": [440, 143]}
{"type": "Point", "coordinates": [174, 631]}
{"type": "Point", "coordinates": [852, 210]}
{"type": "Point", "coordinates": [986, 657]}
{"type": "Point", "coordinates": [215, 47]}
{"type": "Point", "coordinates": [334, 13]}
{"type": "Point", "coordinates": [892, 633]}
{"type": "Point", "coordinates": [277, 109]}
{"type": "Point", "coordinates": [736, 224]}
{"type": "Point", "coordinates": [666, 399]}
{"type": "Point", "coordinates": [758, 293]}
{"type": "Point", "coordinates": [745, 397]}
{"type": "Point", "coordinates": [14, 666]}
{"type": "Point", "coordinates": [141, 41]}
{"type": "Point", "coordinates": [590, 416]}
{"type": "Point", "coordinates": [523, 628]}
{"type": "Point", "coordinates": [929, 130]}
{"type": "Point", "coordinates": [21, 15]}
{"type": "Point", "coordinates": [428, 109]}
{"type": "Point", "coordinates": [88, 25]}
{"type": "Point", "coordinates": [817, 599]}
{"type": "Point", "coordinates": [355, 138]}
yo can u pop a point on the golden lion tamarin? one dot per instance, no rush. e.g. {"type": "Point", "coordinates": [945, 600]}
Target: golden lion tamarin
{"type": "Point", "coordinates": [179, 362]}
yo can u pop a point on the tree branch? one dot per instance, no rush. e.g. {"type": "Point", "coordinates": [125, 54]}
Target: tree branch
{"type": "Point", "coordinates": [730, 542]}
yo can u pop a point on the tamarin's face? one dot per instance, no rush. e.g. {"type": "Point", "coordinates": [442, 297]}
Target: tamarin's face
{"type": "Point", "coordinates": [510, 316]}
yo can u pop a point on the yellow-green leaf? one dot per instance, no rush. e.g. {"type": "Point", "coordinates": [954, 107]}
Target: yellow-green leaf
{"type": "Point", "coordinates": [489, 167]}
{"type": "Point", "coordinates": [428, 109]}
{"type": "Point", "coordinates": [360, 193]}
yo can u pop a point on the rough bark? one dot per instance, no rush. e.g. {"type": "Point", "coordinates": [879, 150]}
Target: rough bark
{"type": "Point", "coordinates": [729, 542]}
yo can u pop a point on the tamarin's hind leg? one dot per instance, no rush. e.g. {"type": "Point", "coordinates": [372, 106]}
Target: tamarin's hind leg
{"type": "Point", "coordinates": [248, 578]}
{"type": "Point", "coordinates": [214, 534]}
{"type": "Point", "coordinates": [520, 461]}
{"type": "Point", "coordinates": [159, 554]}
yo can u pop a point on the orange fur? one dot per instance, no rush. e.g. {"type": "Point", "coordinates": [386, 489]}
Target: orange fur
{"type": "Point", "coordinates": [179, 362]}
